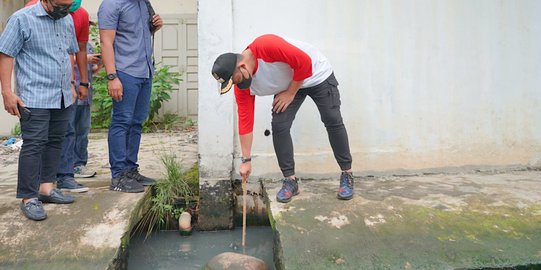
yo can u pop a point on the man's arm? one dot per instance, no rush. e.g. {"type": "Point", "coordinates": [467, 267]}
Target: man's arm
{"type": "Point", "coordinates": [107, 38]}
{"type": "Point", "coordinates": [246, 149]}
{"type": "Point", "coordinates": [11, 100]}
{"type": "Point", "coordinates": [245, 109]}
{"type": "Point", "coordinates": [82, 64]}
{"type": "Point", "coordinates": [284, 98]}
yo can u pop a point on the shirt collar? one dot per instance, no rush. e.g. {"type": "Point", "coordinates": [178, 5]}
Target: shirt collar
{"type": "Point", "coordinates": [39, 10]}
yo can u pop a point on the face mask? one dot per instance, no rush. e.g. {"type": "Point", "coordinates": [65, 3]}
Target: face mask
{"type": "Point", "coordinates": [76, 5]}
{"type": "Point", "coordinates": [58, 12]}
{"type": "Point", "coordinates": [245, 84]}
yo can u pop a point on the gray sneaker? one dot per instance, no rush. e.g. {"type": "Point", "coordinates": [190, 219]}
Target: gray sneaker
{"type": "Point", "coordinates": [33, 209]}
{"type": "Point", "coordinates": [82, 172]}
{"type": "Point", "coordinates": [123, 183]}
{"type": "Point", "coordinates": [56, 196]}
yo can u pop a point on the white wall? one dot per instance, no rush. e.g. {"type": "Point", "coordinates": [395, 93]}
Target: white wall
{"type": "Point", "coordinates": [160, 6]}
{"type": "Point", "coordinates": [7, 121]}
{"type": "Point", "coordinates": [424, 84]}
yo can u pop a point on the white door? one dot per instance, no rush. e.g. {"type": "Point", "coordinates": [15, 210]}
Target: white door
{"type": "Point", "coordinates": [176, 46]}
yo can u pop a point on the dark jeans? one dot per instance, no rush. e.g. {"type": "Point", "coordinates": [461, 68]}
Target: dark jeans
{"type": "Point", "coordinates": [42, 137]}
{"type": "Point", "coordinates": [74, 146]}
{"type": "Point", "coordinates": [327, 99]}
{"type": "Point", "coordinates": [82, 128]}
{"type": "Point", "coordinates": [127, 123]}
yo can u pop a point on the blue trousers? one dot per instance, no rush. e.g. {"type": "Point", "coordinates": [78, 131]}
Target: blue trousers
{"type": "Point", "coordinates": [74, 147]}
{"type": "Point", "coordinates": [129, 114]}
{"type": "Point", "coordinates": [82, 127]}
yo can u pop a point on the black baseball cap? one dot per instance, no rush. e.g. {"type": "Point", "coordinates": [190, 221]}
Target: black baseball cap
{"type": "Point", "coordinates": [223, 69]}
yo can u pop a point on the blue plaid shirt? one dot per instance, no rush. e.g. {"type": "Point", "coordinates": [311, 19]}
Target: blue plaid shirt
{"type": "Point", "coordinates": [41, 47]}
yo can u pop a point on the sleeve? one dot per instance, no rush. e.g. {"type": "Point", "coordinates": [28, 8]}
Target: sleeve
{"type": "Point", "coordinates": [12, 39]}
{"type": "Point", "coordinates": [81, 24]}
{"type": "Point", "coordinates": [272, 48]}
{"type": "Point", "coordinates": [74, 46]}
{"type": "Point", "coordinates": [245, 110]}
{"type": "Point", "coordinates": [108, 15]}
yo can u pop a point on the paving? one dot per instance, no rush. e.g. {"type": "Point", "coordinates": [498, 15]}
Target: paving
{"type": "Point", "coordinates": [488, 220]}
{"type": "Point", "coordinates": [91, 233]}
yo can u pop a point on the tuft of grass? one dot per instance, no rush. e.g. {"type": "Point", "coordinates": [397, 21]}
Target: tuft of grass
{"type": "Point", "coordinates": [169, 121]}
{"type": "Point", "coordinates": [177, 186]}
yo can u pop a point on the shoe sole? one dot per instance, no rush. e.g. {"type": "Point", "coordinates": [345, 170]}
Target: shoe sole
{"type": "Point", "coordinates": [127, 191]}
{"type": "Point", "coordinates": [147, 184]}
{"type": "Point", "coordinates": [345, 198]}
{"type": "Point", "coordinates": [56, 202]}
{"type": "Point", "coordinates": [288, 200]}
{"type": "Point", "coordinates": [84, 175]}
{"type": "Point", "coordinates": [35, 218]}
{"type": "Point", "coordinates": [75, 190]}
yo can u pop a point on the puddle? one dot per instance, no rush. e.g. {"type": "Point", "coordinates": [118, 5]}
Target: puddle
{"type": "Point", "coordinates": [169, 250]}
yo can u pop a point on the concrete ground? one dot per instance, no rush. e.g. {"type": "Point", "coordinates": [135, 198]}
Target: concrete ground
{"type": "Point", "coordinates": [89, 233]}
{"type": "Point", "coordinates": [435, 221]}
{"type": "Point", "coordinates": [441, 221]}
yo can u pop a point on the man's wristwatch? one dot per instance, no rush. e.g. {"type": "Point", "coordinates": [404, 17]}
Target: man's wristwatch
{"type": "Point", "coordinates": [111, 76]}
{"type": "Point", "coordinates": [245, 159]}
{"type": "Point", "coordinates": [84, 84]}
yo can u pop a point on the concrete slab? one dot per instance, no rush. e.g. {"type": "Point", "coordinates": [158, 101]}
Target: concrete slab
{"type": "Point", "coordinates": [91, 233]}
{"type": "Point", "coordinates": [443, 221]}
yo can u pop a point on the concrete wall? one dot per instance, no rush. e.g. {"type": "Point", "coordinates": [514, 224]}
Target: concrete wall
{"type": "Point", "coordinates": [424, 84]}
{"type": "Point", "coordinates": [7, 7]}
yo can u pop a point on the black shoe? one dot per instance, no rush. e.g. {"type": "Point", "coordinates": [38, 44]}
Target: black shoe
{"type": "Point", "coordinates": [33, 209]}
{"type": "Point", "coordinates": [143, 180]}
{"type": "Point", "coordinates": [123, 183]}
{"type": "Point", "coordinates": [56, 196]}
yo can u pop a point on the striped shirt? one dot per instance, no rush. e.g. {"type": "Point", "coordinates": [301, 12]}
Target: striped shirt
{"type": "Point", "coordinates": [41, 48]}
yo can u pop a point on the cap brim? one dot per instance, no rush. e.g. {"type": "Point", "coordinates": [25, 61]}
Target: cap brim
{"type": "Point", "coordinates": [226, 86]}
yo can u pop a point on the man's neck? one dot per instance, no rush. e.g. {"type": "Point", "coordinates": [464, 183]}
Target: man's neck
{"type": "Point", "coordinates": [249, 60]}
{"type": "Point", "coordinates": [44, 6]}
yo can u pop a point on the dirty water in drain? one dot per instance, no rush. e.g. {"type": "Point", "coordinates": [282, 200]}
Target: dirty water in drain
{"type": "Point", "coordinates": [169, 250]}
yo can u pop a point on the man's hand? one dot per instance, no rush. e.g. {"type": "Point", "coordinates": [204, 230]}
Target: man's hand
{"type": "Point", "coordinates": [10, 103]}
{"type": "Point", "coordinates": [245, 169]}
{"type": "Point", "coordinates": [93, 59]}
{"type": "Point", "coordinates": [73, 93]}
{"type": "Point", "coordinates": [282, 101]}
{"type": "Point", "coordinates": [157, 22]}
{"type": "Point", "coordinates": [83, 92]}
{"type": "Point", "coordinates": [115, 89]}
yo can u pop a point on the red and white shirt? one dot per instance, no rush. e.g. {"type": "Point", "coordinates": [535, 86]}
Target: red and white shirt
{"type": "Point", "coordinates": [279, 61]}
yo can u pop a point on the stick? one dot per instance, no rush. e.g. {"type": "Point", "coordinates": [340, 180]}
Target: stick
{"type": "Point", "coordinates": [244, 180]}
